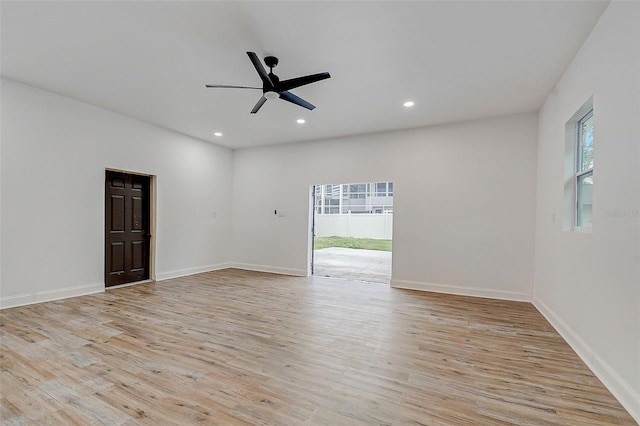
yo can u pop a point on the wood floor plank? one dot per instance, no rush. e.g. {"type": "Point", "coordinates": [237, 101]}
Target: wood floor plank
{"type": "Point", "coordinates": [236, 347]}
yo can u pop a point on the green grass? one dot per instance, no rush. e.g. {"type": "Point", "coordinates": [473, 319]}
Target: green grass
{"type": "Point", "coordinates": [353, 243]}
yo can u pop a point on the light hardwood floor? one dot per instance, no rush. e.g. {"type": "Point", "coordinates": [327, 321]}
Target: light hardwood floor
{"type": "Point", "coordinates": [236, 347]}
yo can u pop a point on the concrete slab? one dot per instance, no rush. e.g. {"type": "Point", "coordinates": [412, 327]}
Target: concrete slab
{"type": "Point", "coordinates": [352, 264]}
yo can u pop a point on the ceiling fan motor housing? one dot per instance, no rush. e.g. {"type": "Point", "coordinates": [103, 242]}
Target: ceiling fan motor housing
{"type": "Point", "coordinates": [271, 62]}
{"type": "Point", "coordinates": [275, 80]}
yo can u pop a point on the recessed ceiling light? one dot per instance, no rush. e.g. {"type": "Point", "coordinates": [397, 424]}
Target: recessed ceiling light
{"type": "Point", "coordinates": [409, 104]}
{"type": "Point", "coordinates": [301, 121]}
{"type": "Point", "coordinates": [218, 134]}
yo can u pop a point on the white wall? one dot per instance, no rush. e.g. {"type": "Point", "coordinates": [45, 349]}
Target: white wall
{"type": "Point", "coordinates": [588, 285]}
{"type": "Point", "coordinates": [54, 154]}
{"type": "Point", "coordinates": [463, 213]}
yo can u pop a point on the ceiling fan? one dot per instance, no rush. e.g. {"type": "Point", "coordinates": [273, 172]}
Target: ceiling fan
{"type": "Point", "coordinates": [272, 87]}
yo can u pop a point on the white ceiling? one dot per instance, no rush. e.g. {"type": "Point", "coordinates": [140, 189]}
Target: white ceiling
{"type": "Point", "coordinates": [151, 60]}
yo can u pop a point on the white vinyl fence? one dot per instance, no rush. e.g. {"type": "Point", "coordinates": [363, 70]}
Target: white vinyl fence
{"type": "Point", "coordinates": [376, 226]}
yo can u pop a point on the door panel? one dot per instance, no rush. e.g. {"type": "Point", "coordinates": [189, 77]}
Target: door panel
{"type": "Point", "coordinates": [138, 213]}
{"type": "Point", "coordinates": [117, 257]}
{"type": "Point", "coordinates": [117, 213]}
{"type": "Point", "coordinates": [137, 255]}
{"type": "Point", "coordinates": [127, 222]}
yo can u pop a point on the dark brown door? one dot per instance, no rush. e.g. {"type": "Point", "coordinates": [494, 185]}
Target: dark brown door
{"type": "Point", "coordinates": [127, 232]}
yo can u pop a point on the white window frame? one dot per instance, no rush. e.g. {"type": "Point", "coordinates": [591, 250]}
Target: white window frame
{"type": "Point", "coordinates": [580, 173]}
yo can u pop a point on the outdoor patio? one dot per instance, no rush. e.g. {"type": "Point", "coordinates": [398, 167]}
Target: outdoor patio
{"type": "Point", "coordinates": [353, 264]}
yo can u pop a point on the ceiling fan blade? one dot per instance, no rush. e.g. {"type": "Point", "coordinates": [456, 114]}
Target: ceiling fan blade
{"type": "Point", "coordinates": [301, 81]}
{"type": "Point", "coordinates": [290, 97]}
{"type": "Point", "coordinates": [259, 104]}
{"type": "Point", "coordinates": [224, 86]}
{"type": "Point", "coordinates": [261, 71]}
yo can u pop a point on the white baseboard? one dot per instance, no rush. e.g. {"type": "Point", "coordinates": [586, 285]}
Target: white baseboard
{"type": "Point", "coordinates": [47, 296]}
{"type": "Point", "coordinates": [113, 287]}
{"type": "Point", "coordinates": [191, 271]}
{"type": "Point", "coordinates": [462, 291]}
{"type": "Point", "coordinates": [628, 397]}
{"type": "Point", "coordinates": [270, 269]}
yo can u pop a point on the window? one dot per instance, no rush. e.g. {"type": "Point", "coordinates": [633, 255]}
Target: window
{"type": "Point", "coordinates": [577, 207]}
{"type": "Point", "coordinates": [358, 190]}
{"type": "Point", "coordinates": [584, 171]}
{"type": "Point", "coordinates": [384, 189]}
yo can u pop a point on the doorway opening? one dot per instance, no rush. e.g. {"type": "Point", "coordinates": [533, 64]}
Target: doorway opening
{"type": "Point", "coordinates": [352, 231]}
{"type": "Point", "coordinates": [128, 225]}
